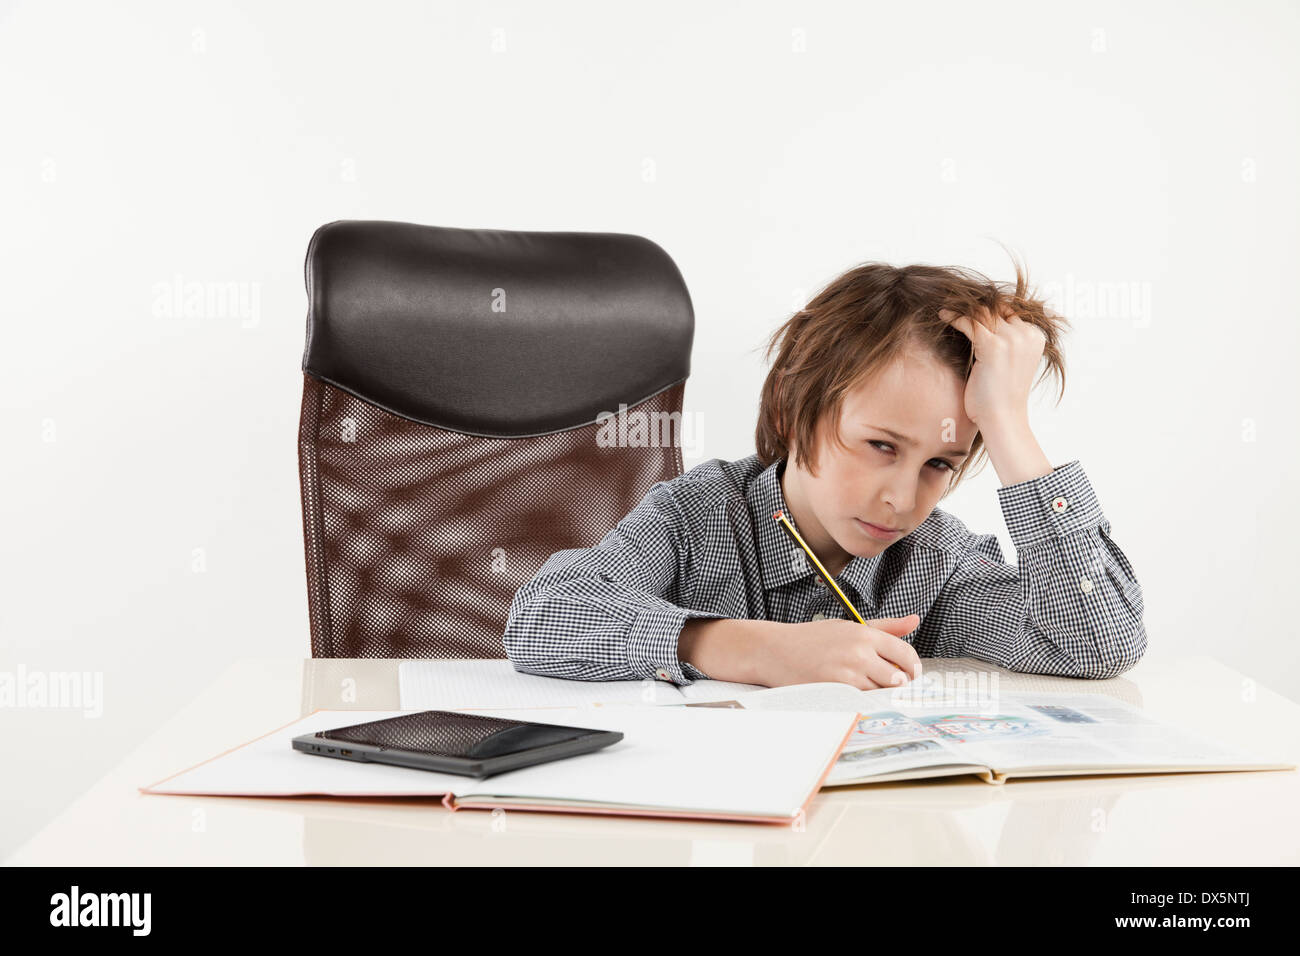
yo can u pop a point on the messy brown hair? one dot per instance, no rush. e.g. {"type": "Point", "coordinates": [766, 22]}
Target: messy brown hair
{"type": "Point", "coordinates": [864, 320]}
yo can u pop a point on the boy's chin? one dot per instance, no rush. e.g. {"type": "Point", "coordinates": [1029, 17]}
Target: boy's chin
{"type": "Point", "coordinates": [868, 550]}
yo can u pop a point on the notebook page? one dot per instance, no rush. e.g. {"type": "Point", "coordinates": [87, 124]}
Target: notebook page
{"type": "Point", "coordinates": [708, 760]}
{"type": "Point", "coordinates": [702, 690]}
{"type": "Point", "coordinates": [457, 684]}
{"type": "Point", "coordinates": [464, 683]}
{"type": "Point", "coordinates": [689, 759]}
{"type": "Point", "coordinates": [830, 695]}
{"type": "Point", "coordinates": [966, 675]}
{"type": "Point", "coordinates": [935, 683]}
{"type": "Point", "coordinates": [823, 696]}
{"type": "Point", "coordinates": [269, 766]}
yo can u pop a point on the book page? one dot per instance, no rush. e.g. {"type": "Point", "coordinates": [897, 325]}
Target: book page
{"type": "Point", "coordinates": [1058, 731]}
{"type": "Point", "coordinates": [888, 741]}
{"type": "Point", "coordinates": [924, 727]}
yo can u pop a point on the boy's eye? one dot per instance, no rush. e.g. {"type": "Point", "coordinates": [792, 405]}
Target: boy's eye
{"type": "Point", "coordinates": [943, 465]}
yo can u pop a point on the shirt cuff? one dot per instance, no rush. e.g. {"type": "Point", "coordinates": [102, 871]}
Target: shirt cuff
{"type": "Point", "coordinates": [1050, 506]}
{"type": "Point", "coordinates": [652, 644]}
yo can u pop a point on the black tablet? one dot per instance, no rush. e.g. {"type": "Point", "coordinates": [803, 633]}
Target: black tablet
{"type": "Point", "coordinates": [473, 745]}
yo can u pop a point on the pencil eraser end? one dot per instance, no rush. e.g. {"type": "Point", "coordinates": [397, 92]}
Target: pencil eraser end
{"type": "Point", "coordinates": [777, 514]}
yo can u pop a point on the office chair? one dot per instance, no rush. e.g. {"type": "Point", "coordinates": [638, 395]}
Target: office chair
{"type": "Point", "coordinates": [474, 400]}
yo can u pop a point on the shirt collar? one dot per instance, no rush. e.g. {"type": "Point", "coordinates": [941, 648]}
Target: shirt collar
{"type": "Point", "coordinates": [778, 554]}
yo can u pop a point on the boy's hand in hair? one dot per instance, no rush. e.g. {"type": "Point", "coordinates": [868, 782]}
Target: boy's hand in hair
{"type": "Point", "coordinates": [1007, 351]}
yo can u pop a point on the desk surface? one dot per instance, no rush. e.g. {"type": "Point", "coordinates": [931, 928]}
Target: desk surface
{"type": "Point", "coordinates": [1158, 819]}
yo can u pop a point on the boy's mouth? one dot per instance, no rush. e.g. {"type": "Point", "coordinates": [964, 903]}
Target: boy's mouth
{"type": "Point", "coordinates": [876, 531]}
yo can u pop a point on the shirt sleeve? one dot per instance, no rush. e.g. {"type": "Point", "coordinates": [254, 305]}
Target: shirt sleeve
{"type": "Point", "coordinates": [1071, 606]}
{"type": "Point", "coordinates": [611, 612]}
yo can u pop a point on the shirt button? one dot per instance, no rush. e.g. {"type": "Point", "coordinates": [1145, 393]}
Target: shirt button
{"type": "Point", "coordinates": [819, 616]}
{"type": "Point", "coordinates": [1059, 504]}
{"type": "Point", "coordinates": [1085, 585]}
{"type": "Point", "coordinates": [662, 674]}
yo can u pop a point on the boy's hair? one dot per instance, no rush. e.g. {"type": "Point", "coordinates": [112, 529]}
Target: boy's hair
{"type": "Point", "coordinates": [864, 320]}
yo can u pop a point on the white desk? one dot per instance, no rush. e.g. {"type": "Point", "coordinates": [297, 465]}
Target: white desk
{"type": "Point", "coordinates": [1159, 819]}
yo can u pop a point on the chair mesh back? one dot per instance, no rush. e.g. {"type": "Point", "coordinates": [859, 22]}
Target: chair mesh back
{"type": "Point", "coordinates": [417, 537]}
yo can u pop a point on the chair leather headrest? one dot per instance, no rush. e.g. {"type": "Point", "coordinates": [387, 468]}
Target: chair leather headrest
{"type": "Point", "coordinates": [494, 332]}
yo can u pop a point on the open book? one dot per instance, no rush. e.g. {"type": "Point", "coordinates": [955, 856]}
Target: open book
{"type": "Point", "coordinates": [728, 764]}
{"type": "Point", "coordinates": [931, 731]}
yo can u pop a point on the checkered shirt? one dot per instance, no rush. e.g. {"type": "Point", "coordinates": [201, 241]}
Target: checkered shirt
{"type": "Point", "coordinates": [704, 545]}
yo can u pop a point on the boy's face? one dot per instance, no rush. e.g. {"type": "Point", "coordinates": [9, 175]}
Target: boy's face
{"type": "Point", "coordinates": [878, 478]}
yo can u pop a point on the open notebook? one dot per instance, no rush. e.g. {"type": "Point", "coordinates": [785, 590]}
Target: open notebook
{"type": "Point", "coordinates": [711, 763]}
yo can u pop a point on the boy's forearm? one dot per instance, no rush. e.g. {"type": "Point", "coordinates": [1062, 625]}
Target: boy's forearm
{"type": "Point", "coordinates": [731, 649]}
{"type": "Point", "coordinates": [1013, 449]}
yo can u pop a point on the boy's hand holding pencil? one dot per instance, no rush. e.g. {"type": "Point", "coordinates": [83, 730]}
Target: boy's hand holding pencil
{"type": "Point", "coordinates": [868, 657]}
{"type": "Point", "coordinates": [878, 657]}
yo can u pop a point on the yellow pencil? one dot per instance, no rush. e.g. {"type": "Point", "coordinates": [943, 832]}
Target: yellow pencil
{"type": "Point", "coordinates": [784, 522]}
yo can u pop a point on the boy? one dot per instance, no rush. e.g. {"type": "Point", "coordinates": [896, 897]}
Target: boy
{"type": "Point", "coordinates": [886, 389]}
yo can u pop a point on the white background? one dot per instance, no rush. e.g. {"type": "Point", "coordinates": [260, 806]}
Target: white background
{"type": "Point", "coordinates": [151, 522]}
